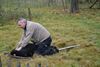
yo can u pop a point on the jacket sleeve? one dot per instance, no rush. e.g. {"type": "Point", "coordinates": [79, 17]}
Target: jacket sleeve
{"type": "Point", "coordinates": [27, 37]}
{"type": "Point", "coordinates": [22, 37]}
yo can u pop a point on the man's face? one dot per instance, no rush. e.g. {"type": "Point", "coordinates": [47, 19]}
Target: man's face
{"type": "Point", "coordinates": [21, 24]}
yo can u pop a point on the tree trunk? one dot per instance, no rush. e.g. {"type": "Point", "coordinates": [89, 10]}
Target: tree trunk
{"type": "Point", "coordinates": [29, 13]}
{"type": "Point", "coordinates": [74, 6]}
{"type": "Point", "coordinates": [63, 3]}
{"type": "Point", "coordinates": [50, 2]}
{"type": "Point", "coordinates": [0, 8]}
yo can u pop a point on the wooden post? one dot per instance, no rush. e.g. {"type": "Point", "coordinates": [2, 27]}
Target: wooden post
{"type": "Point", "coordinates": [0, 62]}
{"type": "Point", "coordinates": [9, 63]}
{"type": "Point", "coordinates": [18, 64]}
{"type": "Point", "coordinates": [29, 14]}
{"type": "Point", "coordinates": [27, 65]}
{"type": "Point", "coordinates": [46, 65]}
{"type": "Point", "coordinates": [39, 65]}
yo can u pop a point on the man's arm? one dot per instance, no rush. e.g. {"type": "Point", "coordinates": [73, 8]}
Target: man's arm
{"type": "Point", "coordinates": [26, 38]}
{"type": "Point", "coordinates": [22, 37]}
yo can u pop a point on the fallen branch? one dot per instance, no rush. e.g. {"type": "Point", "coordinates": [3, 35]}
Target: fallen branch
{"type": "Point", "coordinates": [93, 4]}
{"type": "Point", "coordinates": [68, 47]}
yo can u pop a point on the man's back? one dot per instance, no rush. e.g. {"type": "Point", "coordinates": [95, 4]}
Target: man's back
{"type": "Point", "coordinates": [39, 32]}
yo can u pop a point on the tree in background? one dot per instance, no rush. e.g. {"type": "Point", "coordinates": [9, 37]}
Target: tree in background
{"type": "Point", "coordinates": [0, 7]}
{"type": "Point", "coordinates": [50, 2]}
{"type": "Point", "coordinates": [74, 6]}
{"type": "Point", "coordinates": [64, 5]}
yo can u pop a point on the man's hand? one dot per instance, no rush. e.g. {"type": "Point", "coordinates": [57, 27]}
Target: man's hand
{"type": "Point", "coordinates": [18, 48]}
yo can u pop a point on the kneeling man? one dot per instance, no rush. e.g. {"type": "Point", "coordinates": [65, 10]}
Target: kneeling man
{"type": "Point", "coordinates": [38, 35]}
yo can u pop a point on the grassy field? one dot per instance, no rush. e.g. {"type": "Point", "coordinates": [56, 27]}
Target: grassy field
{"type": "Point", "coordinates": [66, 29]}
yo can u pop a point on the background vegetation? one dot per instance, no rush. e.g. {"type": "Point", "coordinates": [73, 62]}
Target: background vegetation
{"type": "Point", "coordinates": [82, 28]}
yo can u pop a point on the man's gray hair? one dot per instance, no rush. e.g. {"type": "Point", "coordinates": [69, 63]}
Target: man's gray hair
{"type": "Point", "coordinates": [22, 20]}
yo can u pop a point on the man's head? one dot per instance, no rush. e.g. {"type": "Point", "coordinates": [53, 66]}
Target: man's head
{"type": "Point", "coordinates": [22, 23]}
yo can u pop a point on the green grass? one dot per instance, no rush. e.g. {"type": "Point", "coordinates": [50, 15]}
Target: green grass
{"type": "Point", "coordinates": [66, 29]}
